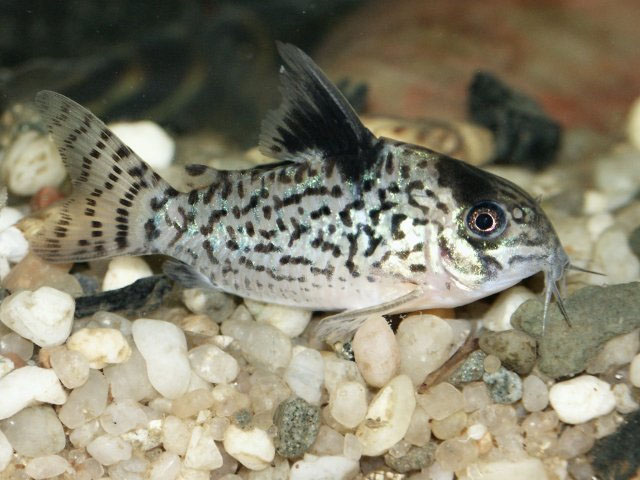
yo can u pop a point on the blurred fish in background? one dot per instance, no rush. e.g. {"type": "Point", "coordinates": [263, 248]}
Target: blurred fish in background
{"type": "Point", "coordinates": [185, 64]}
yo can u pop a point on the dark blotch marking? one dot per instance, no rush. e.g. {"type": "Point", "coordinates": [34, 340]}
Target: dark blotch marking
{"type": "Point", "coordinates": [396, 220]}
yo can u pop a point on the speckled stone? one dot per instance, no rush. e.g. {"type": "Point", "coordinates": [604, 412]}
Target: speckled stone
{"type": "Point", "coordinates": [416, 458]}
{"type": "Point", "coordinates": [596, 314]}
{"type": "Point", "coordinates": [504, 386]}
{"type": "Point", "coordinates": [298, 423]}
{"type": "Point", "coordinates": [471, 370]}
{"type": "Point", "coordinates": [516, 350]}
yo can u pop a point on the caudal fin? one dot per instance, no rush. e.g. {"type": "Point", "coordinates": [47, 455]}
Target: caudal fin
{"type": "Point", "coordinates": [113, 189]}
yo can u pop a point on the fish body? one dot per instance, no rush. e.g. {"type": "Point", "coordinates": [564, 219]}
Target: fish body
{"type": "Point", "coordinates": [345, 220]}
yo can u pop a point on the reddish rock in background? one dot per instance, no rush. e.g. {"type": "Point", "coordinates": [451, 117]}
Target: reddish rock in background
{"type": "Point", "coordinates": [579, 59]}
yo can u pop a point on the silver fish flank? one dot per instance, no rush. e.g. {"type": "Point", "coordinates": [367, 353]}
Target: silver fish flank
{"type": "Point", "coordinates": [344, 221]}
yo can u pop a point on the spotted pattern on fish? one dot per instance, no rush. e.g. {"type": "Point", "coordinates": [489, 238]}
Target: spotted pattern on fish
{"type": "Point", "coordinates": [344, 221]}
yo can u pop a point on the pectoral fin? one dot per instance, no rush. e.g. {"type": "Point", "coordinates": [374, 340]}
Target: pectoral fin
{"type": "Point", "coordinates": [342, 326]}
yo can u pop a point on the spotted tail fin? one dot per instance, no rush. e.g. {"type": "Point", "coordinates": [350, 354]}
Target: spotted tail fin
{"type": "Point", "coordinates": [113, 190]}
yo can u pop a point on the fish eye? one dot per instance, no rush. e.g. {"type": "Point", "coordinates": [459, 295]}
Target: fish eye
{"type": "Point", "coordinates": [486, 219]}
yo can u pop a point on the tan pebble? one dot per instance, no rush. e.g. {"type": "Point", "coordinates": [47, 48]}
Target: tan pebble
{"type": "Point", "coordinates": [376, 351]}
{"type": "Point", "coordinates": [18, 362]}
{"type": "Point", "coordinates": [200, 324]}
{"type": "Point", "coordinates": [445, 313]}
{"type": "Point", "coordinates": [32, 272]}
{"type": "Point", "coordinates": [491, 364]}
{"type": "Point", "coordinates": [449, 427]}
{"type": "Point", "coordinates": [45, 197]}
{"type": "Point", "coordinates": [485, 444]}
{"type": "Point", "coordinates": [44, 355]}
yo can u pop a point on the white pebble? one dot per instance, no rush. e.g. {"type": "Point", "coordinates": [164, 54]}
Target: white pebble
{"type": "Point", "coordinates": [252, 448]}
{"type": "Point", "coordinates": [581, 399]}
{"type": "Point", "coordinates": [149, 140]}
{"type": "Point", "coordinates": [524, 469]}
{"type": "Point", "coordinates": [634, 371]}
{"type": "Point", "coordinates": [110, 320]}
{"type": "Point", "coordinates": [165, 466]}
{"type": "Point", "coordinates": [88, 469]}
{"type": "Point", "coordinates": [13, 246]}
{"type": "Point", "coordinates": [348, 404]}
{"type": "Point", "coordinates": [376, 351]}
{"type": "Point", "coordinates": [352, 448]}
{"type": "Point", "coordinates": [619, 350]}
{"type": "Point", "coordinates": [613, 257]}
{"type": "Point", "coordinates": [6, 365]}
{"type": "Point", "coordinates": [9, 216]}
{"type": "Point", "coordinates": [47, 467]}
{"type": "Point", "coordinates": [6, 452]}
{"type": "Point", "coordinates": [72, 368]}
{"type": "Point", "coordinates": [5, 268]}
{"type": "Point", "coordinates": [100, 346]}
{"type": "Point", "coordinates": [109, 450]}
{"type": "Point", "coordinates": [328, 442]}
{"type": "Point", "coordinates": [202, 452]}
{"type": "Point", "coordinates": [129, 380]}
{"type": "Point", "coordinates": [26, 385]}
{"type": "Point", "coordinates": [262, 345]}
{"type": "Point", "coordinates": [388, 416]}
{"type": "Point", "coordinates": [305, 374]}
{"type": "Point", "coordinates": [535, 394]}
{"type": "Point", "coordinates": [35, 431]}
{"type": "Point", "coordinates": [419, 431]}
{"type": "Point", "coordinates": [441, 400]}
{"type": "Point", "coordinates": [332, 467]}
{"type": "Point", "coordinates": [131, 469]}
{"type": "Point", "coordinates": [476, 431]}
{"type": "Point", "coordinates": [289, 320]}
{"type": "Point", "coordinates": [175, 435]}
{"type": "Point", "coordinates": [14, 343]}
{"type": "Point", "coordinates": [81, 437]}
{"type": "Point", "coordinates": [625, 403]}
{"type": "Point", "coordinates": [123, 271]}
{"type": "Point", "coordinates": [598, 223]}
{"type": "Point", "coordinates": [164, 349]}
{"type": "Point", "coordinates": [30, 163]}
{"type": "Point", "coordinates": [338, 370]}
{"type": "Point", "coordinates": [218, 305]}
{"type": "Point", "coordinates": [120, 417]}
{"type": "Point", "coordinates": [617, 175]}
{"type": "Point", "coordinates": [86, 402]}
{"type": "Point", "coordinates": [44, 316]}
{"type": "Point", "coordinates": [425, 342]}
{"type": "Point", "coordinates": [212, 364]}
{"type": "Point", "coordinates": [498, 317]}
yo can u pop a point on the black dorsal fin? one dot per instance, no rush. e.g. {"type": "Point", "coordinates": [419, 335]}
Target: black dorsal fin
{"type": "Point", "coordinates": [314, 119]}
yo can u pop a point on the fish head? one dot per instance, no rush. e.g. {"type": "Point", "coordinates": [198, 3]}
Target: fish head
{"type": "Point", "coordinates": [496, 234]}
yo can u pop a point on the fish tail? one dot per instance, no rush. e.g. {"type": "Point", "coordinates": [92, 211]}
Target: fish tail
{"type": "Point", "coordinates": [114, 191]}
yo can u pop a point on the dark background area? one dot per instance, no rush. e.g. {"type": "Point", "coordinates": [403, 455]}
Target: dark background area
{"type": "Point", "coordinates": [186, 64]}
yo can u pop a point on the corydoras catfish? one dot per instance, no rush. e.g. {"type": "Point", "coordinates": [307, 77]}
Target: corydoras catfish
{"type": "Point", "coordinates": [343, 221]}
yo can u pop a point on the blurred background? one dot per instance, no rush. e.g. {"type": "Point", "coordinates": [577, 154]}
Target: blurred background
{"type": "Point", "coordinates": [212, 65]}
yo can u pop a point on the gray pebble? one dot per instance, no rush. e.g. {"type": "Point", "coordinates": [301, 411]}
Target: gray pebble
{"type": "Point", "coordinates": [516, 350]}
{"type": "Point", "coordinates": [298, 423]}
{"type": "Point", "coordinates": [470, 370]}
{"type": "Point", "coordinates": [634, 241]}
{"type": "Point", "coordinates": [416, 458]}
{"type": "Point", "coordinates": [597, 314]}
{"type": "Point", "coordinates": [242, 418]}
{"type": "Point", "coordinates": [504, 386]}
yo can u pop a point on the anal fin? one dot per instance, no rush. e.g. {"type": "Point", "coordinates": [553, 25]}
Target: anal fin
{"type": "Point", "coordinates": [185, 275]}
